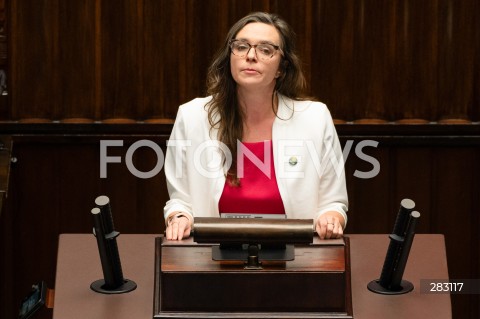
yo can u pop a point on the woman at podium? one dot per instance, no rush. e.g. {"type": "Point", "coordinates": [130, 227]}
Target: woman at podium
{"type": "Point", "coordinates": [257, 145]}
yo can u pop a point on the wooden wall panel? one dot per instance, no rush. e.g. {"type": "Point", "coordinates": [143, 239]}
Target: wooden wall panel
{"type": "Point", "coordinates": [78, 167]}
{"type": "Point", "coordinates": [74, 89]}
{"type": "Point", "coordinates": [454, 210]}
{"type": "Point", "coordinates": [372, 195]}
{"type": "Point", "coordinates": [369, 60]}
{"type": "Point", "coordinates": [412, 178]}
{"type": "Point", "coordinates": [301, 19]}
{"type": "Point", "coordinates": [140, 59]}
{"type": "Point", "coordinates": [202, 40]}
{"type": "Point", "coordinates": [415, 60]}
{"type": "Point", "coordinates": [164, 82]}
{"type": "Point", "coordinates": [332, 57]}
{"type": "Point", "coordinates": [32, 57]}
{"type": "Point", "coordinates": [376, 60]}
{"type": "Point", "coordinates": [455, 204]}
{"type": "Point", "coordinates": [35, 221]}
{"type": "Point", "coordinates": [457, 37]}
{"type": "Point", "coordinates": [120, 51]}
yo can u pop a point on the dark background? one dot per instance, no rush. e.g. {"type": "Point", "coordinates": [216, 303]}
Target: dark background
{"type": "Point", "coordinates": [404, 73]}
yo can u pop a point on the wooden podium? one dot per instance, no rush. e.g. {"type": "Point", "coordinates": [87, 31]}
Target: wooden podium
{"type": "Point", "coordinates": [78, 265]}
{"type": "Point", "coordinates": [189, 284]}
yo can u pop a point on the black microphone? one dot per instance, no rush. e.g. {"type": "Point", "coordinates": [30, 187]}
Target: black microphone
{"type": "Point", "coordinates": [401, 239]}
{"type": "Point", "coordinates": [396, 241]}
{"type": "Point", "coordinates": [113, 281]}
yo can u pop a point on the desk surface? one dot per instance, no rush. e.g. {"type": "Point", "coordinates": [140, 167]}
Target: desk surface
{"type": "Point", "coordinates": [78, 265]}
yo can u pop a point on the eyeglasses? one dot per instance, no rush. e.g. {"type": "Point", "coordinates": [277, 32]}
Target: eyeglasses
{"type": "Point", "coordinates": [264, 51]}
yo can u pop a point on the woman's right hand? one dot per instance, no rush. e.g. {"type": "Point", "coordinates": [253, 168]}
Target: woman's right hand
{"type": "Point", "coordinates": [179, 227]}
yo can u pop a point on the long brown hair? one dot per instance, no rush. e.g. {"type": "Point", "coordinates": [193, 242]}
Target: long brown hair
{"type": "Point", "coordinates": [224, 112]}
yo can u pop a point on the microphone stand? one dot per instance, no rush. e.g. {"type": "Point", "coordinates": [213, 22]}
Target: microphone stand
{"type": "Point", "coordinates": [401, 240]}
{"type": "Point", "coordinates": [113, 282]}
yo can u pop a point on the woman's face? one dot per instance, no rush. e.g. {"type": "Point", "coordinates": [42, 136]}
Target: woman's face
{"type": "Point", "coordinates": [253, 71]}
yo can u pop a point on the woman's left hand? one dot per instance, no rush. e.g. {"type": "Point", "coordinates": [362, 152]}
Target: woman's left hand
{"type": "Point", "coordinates": [329, 225]}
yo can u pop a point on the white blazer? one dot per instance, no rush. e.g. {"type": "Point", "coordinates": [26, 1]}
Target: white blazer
{"type": "Point", "coordinates": [308, 161]}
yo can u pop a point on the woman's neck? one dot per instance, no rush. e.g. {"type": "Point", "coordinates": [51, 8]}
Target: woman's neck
{"type": "Point", "coordinates": [257, 106]}
{"type": "Point", "coordinates": [259, 114]}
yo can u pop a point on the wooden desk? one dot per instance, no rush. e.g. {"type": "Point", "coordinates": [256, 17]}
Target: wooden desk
{"type": "Point", "coordinates": [79, 264]}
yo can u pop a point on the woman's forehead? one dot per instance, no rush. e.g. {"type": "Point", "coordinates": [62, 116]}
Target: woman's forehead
{"type": "Point", "coordinates": [257, 32]}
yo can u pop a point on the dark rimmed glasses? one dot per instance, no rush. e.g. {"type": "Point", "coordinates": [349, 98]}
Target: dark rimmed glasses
{"type": "Point", "coordinates": [264, 51]}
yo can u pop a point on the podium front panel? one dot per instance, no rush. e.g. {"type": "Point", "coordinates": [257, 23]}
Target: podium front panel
{"type": "Point", "coordinates": [316, 284]}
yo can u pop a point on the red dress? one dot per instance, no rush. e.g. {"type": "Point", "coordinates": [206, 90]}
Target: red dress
{"type": "Point", "coordinates": [257, 193]}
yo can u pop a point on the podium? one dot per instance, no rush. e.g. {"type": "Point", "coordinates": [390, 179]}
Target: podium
{"type": "Point", "coordinates": [78, 265]}
{"type": "Point", "coordinates": [189, 284]}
